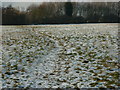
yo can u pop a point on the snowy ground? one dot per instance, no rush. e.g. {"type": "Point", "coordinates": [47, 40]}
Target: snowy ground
{"type": "Point", "coordinates": [60, 56]}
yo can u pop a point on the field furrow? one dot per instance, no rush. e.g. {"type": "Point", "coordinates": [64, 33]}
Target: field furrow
{"type": "Point", "coordinates": [60, 56]}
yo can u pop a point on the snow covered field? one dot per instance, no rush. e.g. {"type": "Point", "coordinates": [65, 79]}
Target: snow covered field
{"type": "Point", "coordinates": [64, 56]}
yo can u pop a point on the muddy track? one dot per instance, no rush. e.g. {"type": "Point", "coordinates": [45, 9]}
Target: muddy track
{"type": "Point", "coordinates": [45, 65]}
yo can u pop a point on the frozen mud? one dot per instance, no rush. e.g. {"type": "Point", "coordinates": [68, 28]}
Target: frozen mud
{"type": "Point", "coordinates": [60, 56]}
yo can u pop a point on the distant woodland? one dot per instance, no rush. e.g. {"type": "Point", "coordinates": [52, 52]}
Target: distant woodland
{"type": "Point", "coordinates": [62, 13]}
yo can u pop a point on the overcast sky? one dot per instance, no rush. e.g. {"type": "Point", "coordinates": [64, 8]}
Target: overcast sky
{"type": "Point", "coordinates": [59, 0]}
{"type": "Point", "coordinates": [26, 3]}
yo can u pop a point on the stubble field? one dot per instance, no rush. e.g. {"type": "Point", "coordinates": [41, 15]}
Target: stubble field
{"type": "Point", "coordinates": [60, 56]}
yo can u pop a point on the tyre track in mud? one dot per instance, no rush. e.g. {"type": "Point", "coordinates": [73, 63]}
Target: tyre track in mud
{"type": "Point", "coordinates": [44, 66]}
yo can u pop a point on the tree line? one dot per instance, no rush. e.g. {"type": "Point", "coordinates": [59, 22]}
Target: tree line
{"type": "Point", "coordinates": [62, 12]}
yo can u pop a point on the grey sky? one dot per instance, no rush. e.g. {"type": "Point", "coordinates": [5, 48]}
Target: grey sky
{"type": "Point", "coordinates": [59, 0]}
{"type": "Point", "coordinates": [19, 4]}
{"type": "Point", "coordinates": [26, 3]}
